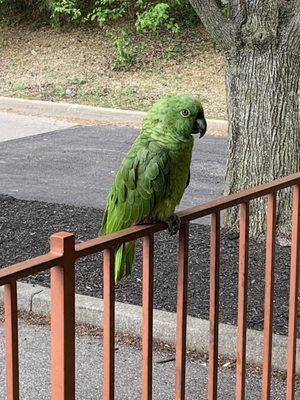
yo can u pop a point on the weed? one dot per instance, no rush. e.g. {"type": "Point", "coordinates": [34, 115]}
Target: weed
{"type": "Point", "coordinates": [175, 50]}
{"type": "Point", "coordinates": [19, 86]}
{"type": "Point", "coordinates": [76, 81]}
{"type": "Point", "coordinates": [225, 7]}
{"type": "Point", "coordinates": [124, 50]}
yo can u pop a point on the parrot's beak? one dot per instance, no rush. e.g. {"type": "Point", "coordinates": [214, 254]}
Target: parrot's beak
{"type": "Point", "coordinates": [200, 126]}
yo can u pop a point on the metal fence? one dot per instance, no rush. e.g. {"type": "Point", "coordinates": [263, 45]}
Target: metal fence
{"type": "Point", "coordinates": [64, 252]}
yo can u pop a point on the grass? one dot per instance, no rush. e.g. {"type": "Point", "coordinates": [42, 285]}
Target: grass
{"type": "Point", "coordinates": [77, 65]}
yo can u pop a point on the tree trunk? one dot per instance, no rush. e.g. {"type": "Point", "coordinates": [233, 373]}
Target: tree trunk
{"type": "Point", "coordinates": [261, 45]}
{"type": "Point", "coordinates": [264, 130]}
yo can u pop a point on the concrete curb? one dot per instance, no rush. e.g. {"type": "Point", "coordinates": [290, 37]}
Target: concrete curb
{"type": "Point", "coordinates": [89, 310]}
{"type": "Point", "coordinates": [90, 114]}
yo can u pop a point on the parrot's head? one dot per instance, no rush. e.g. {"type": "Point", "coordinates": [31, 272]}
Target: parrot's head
{"type": "Point", "coordinates": [177, 116]}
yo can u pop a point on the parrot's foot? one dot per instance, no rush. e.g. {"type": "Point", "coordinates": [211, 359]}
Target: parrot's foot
{"type": "Point", "coordinates": [173, 224]}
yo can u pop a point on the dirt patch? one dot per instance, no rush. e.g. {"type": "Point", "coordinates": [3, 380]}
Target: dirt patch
{"type": "Point", "coordinates": [77, 66]}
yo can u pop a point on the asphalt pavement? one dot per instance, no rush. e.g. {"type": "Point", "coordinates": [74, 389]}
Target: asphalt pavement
{"type": "Point", "coordinates": [35, 371]}
{"type": "Point", "coordinates": [76, 165]}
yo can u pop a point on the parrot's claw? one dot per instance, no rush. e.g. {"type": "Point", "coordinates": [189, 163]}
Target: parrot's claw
{"type": "Point", "coordinates": [173, 224]}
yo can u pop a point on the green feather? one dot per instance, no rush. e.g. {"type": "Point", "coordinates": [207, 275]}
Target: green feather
{"type": "Point", "coordinates": [152, 171]}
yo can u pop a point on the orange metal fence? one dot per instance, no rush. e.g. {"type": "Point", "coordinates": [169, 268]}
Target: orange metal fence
{"type": "Point", "coordinates": [61, 259]}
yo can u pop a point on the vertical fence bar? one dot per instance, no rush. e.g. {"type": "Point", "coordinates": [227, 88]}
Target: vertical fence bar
{"type": "Point", "coordinates": [269, 283]}
{"type": "Point", "coordinates": [147, 317]}
{"type": "Point", "coordinates": [181, 311]}
{"type": "Point", "coordinates": [11, 336]}
{"type": "Point", "coordinates": [109, 325]}
{"type": "Point", "coordinates": [214, 306]}
{"type": "Point", "coordinates": [63, 319]}
{"type": "Point", "coordinates": [294, 280]}
{"type": "Point", "coordinates": [242, 302]}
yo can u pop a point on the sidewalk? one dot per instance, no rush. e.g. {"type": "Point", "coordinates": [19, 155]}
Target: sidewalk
{"type": "Point", "coordinates": [15, 126]}
{"type": "Point", "coordinates": [86, 115]}
{"type": "Point", "coordinates": [35, 367]}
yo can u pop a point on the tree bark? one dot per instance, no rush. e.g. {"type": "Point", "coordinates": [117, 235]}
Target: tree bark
{"type": "Point", "coordinates": [264, 130]}
{"type": "Point", "coordinates": [262, 60]}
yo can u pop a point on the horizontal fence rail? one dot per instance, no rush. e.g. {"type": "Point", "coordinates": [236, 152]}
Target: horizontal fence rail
{"type": "Point", "coordinates": [41, 263]}
{"type": "Point", "coordinates": [64, 252]}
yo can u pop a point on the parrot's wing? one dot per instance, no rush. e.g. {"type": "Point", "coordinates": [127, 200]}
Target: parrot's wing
{"type": "Point", "coordinates": [140, 184]}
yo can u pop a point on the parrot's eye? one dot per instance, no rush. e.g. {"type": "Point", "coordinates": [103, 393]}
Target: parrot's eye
{"type": "Point", "coordinates": [185, 113]}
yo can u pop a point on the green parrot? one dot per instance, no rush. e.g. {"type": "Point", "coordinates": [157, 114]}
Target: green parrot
{"type": "Point", "coordinates": [154, 173]}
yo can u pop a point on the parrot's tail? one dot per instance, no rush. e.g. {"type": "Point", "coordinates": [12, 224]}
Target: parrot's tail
{"type": "Point", "coordinates": [124, 260]}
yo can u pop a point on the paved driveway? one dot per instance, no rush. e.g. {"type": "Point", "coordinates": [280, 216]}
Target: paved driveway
{"type": "Point", "coordinates": [76, 165]}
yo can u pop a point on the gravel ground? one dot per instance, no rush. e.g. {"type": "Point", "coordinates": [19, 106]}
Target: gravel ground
{"type": "Point", "coordinates": [25, 227]}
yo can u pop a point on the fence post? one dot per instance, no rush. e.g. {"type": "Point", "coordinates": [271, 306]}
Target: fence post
{"type": "Point", "coordinates": [108, 325]}
{"type": "Point", "coordinates": [269, 283]}
{"type": "Point", "coordinates": [242, 302]}
{"type": "Point", "coordinates": [63, 318]}
{"type": "Point", "coordinates": [214, 306]}
{"type": "Point", "coordinates": [11, 335]}
{"type": "Point", "coordinates": [147, 317]}
{"type": "Point", "coordinates": [294, 281]}
{"type": "Point", "coordinates": [182, 286]}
